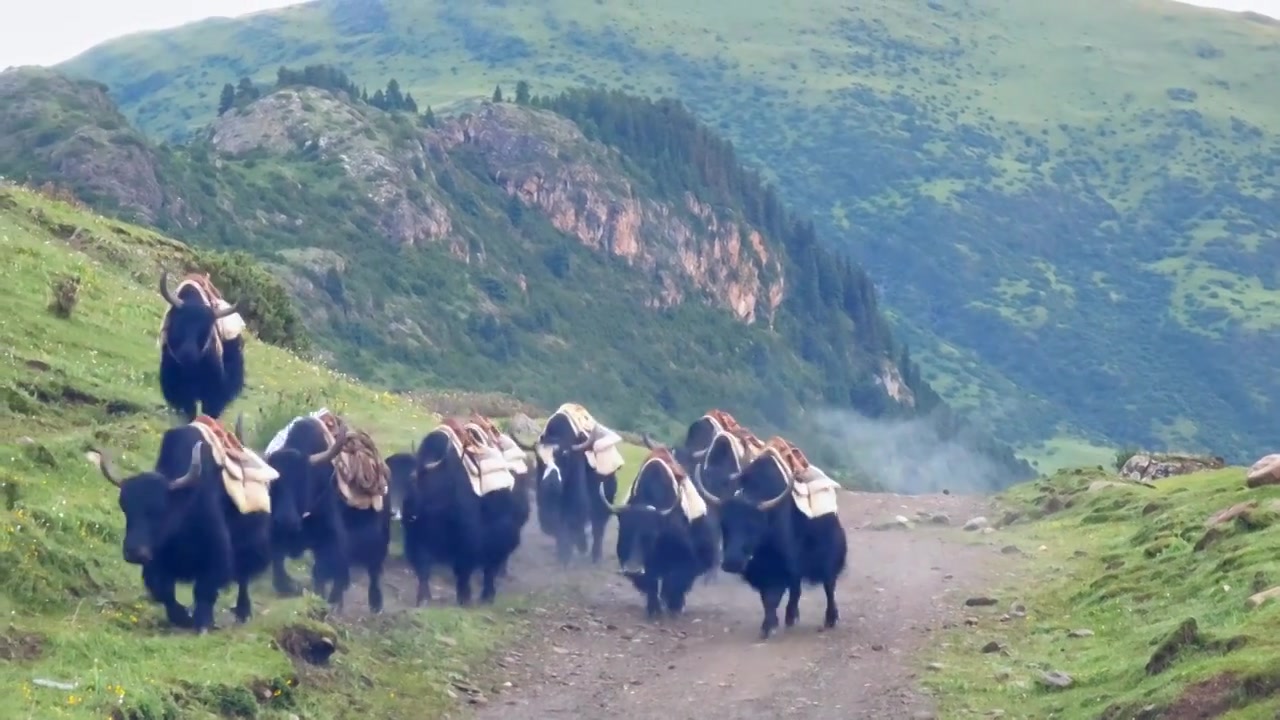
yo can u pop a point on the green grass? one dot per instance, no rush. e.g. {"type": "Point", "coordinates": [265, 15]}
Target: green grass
{"type": "Point", "coordinates": [74, 611]}
{"type": "Point", "coordinates": [958, 150]}
{"type": "Point", "coordinates": [1130, 564]}
{"type": "Point", "coordinates": [1064, 451]}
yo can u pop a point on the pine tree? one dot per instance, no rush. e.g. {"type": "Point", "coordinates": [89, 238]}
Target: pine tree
{"type": "Point", "coordinates": [497, 93]}
{"type": "Point", "coordinates": [522, 93]}
{"type": "Point", "coordinates": [429, 118]}
{"type": "Point", "coordinates": [395, 101]}
{"type": "Point", "coordinates": [410, 104]}
{"type": "Point", "coordinates": [228, 98]}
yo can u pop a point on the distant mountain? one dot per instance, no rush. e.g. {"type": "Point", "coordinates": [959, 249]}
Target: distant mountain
{"type": "Point", "coordinates": [591, 246]}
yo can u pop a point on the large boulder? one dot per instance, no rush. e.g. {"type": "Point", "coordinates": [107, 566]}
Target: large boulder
{"type": "Point", "coordinates": [1265, 472]}
{"type": "Point", "coordinates": [1152, 466]}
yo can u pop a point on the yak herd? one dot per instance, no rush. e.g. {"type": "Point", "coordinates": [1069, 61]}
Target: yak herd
{"type": "Point", "coordinates": [212, 511]}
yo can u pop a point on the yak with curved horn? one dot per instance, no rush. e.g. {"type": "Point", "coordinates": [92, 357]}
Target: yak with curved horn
{"type": "Point", "coordinates": [574, 456]}
{"type": "Point", "coordinates": [180, 505]}
{"type": "Point", "coordinates": [665, 537]}
{"type": "Point", "coordinates": [772, 543]}
{"type": "Point", "coordinates": [311, 515]}
{"type": "Point", "coordinates": [201, 349]}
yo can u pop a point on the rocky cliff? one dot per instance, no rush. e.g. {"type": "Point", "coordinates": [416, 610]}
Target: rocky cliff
{"type": "Point", "coordinates": [500, 248]}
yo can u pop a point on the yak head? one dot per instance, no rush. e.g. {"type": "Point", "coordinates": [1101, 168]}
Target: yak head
{"type": "Point", "coordinates": [191, 326]}
{"type": "Point", "coordinates": [145, 500]}
{"type": "Point", "coordinates": [402, 467]}
{"type": "Point", "coordinates": [293, 493]}
{"type": "Point", "coordinates": [562, 459]}
{"type": "Point", "coordinates": [745, 520]}
{"type": "Point", "coordinates": [718, 462]}
{"type": "Point", "coordinates": [643, 517]}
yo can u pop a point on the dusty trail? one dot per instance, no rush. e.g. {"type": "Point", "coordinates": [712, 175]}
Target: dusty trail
{"type": "Point", "coordinates": [592, 650]}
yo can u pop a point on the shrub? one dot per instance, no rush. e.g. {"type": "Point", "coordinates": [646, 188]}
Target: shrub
{"type": "Point", "coordinates": [66, 293]}
{"type": "Point", "coordinates": [264, 303]}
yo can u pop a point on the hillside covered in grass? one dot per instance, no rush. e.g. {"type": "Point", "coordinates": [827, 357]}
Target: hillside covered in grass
{"type": "Point", "coordinates": [594, 246]}
{"type": "Point", "coordinates": [1067, 205]}
{"type": "Point", "coordinates": [79, 314]}
{"type": "Point", "coordinates": [1141, 596]}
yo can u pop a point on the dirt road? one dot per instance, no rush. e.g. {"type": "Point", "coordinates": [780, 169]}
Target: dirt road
{"type": "Point", "coordinates": [594, 653]}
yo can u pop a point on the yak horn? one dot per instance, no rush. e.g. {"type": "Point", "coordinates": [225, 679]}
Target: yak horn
{"type": "Point", "coordinates": [771, 504]}
{"type": "Point", "coordinates": [697, 483]}
{"type": "Point", "coordinates": [193, 471]}
{"type": "Point", "coordinates": [433, 465]}
{"type": "Point", "coordinates": [579, 447]}
{"type": "Point", "coordinates": [698, 455]}
{"type": "Point", "coordinates": [164, 290]}
{"type": "Point", "coordinates": [329, 454]}
{"type": "Point", "coordinates": [104, 465]}
{"type": "Point", "coordinates": [226, 311]}
{"type": "Point", "coordinates": [615, 509]}
{"type": "Point", "coordinates": [240, 427]}
{"type": "Point", "coordinates": [648, 441]}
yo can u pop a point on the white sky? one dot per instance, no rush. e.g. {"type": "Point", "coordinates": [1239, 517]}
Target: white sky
{"type": "Point", "coordinates": [46, 32]}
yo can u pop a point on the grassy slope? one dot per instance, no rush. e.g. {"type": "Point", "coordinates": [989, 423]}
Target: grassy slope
{"type": "Point", "coordinates": [1123, 563]}
{"type": "Point", "coordinates": [1002, 136]}
{"type": "Point", "coordinates": [63, 586]}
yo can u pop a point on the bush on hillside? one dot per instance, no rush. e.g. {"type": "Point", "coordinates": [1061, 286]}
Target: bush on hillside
{"type": "Point", "coordinates": [264, 303]}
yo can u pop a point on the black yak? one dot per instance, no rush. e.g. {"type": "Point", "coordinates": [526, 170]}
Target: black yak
{"type": "Point", "coordinates": [772, 542]}
{"type": "Point", "coordinates": [575, 457]}
{"type": "Point", "coordinates": [311, 513]}
{"type": "Point", "coordinates": [197, 365]}
{"type": "Point", "coordinates": [665, 537]}
{"type": "Point", "coordinates": [181, 525]}
{"type": "Point", "coordinates": [462, 508]}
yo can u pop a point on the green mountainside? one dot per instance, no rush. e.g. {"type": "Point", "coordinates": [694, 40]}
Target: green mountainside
{"type": "Point", "coordinates": [635, 268]}
{"type": "Point", "coordinates": [1068, 206]}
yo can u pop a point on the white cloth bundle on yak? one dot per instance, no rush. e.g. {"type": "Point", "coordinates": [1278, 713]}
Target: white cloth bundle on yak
{"type": "Point", "coordinates": [277, 442]}
{"type": "Point", "coordinates": [814, 493]}
{"type": "Point", "coordinates": [229, 327]}
{"type": "Point", "coordinates": [245, 475]}
{"type": "Point", "coordinates": [363, 478]}
{"type": "Point", "coordinates": [740, 442]}
{"type": "Point", "coordinates": [488, 433]}
{"type": "Point", "coordinates": [603, 455]}
{"type": "Point", "coordinates": [486, 467]}
{"type": "Point", "coordinates": [660, 458]}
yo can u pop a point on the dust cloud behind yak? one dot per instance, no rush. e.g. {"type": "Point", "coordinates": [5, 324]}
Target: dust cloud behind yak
{"type": "Point", "coordinates": [908, 456]}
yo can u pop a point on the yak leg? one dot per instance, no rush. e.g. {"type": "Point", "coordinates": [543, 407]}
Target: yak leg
{"type": "Point", "coordinates": [675, 586]}
{"type": "Point", "coordinates": [564, 545]}
{"type": "Point", "coordinates": [489, 585]}
{"type": "Point", "coordinates": [206, 596]}
{"type": "Point", "coordinates": [333, 565]}
{"type": "Point", "coordinates": [284, 585]}
{"type": "Point", "coordinates": [375, 587]}
{"type": "Point", "coordinates": [793, 604]}
{"type": "Point", "coordinates": [421, 562]}
{"type": "Point", "coordinates": [770, 598]}
{"type": "Point", "coordinates": [597, 539]}
{"type": "Point", "coordinates": [162, 589]}
{"type": "Point", "coordinates": [462, 583]}
{"type": "Point", "coordinates": [244, 606]}
{"type": "Point", "coordinates": [647, 583]}
{"type": "Point", "coordinates": [833, 613]}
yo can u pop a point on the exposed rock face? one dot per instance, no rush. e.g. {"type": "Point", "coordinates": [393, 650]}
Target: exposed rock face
{"type": "Point", "coordinates": [890, 378]}
{"type": "Point", "coordinates": [1151, 466]}
{"type": "Point", "coordinates": [89, 147]}
{"type": "Point", "coordinates": [548, 164]}
{"type": "Point", "coordinates": [312, 120]}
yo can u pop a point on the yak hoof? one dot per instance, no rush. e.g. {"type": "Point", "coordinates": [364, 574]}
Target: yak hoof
{"type": "Point", "coordinates": [830, 620]}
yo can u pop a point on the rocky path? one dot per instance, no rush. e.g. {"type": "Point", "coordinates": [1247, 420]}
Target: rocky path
{"type": "Point", "coordinates": [593, 652]}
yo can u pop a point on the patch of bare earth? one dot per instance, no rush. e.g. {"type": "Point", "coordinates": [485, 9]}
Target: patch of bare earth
{"type": "Point", "coordinates": [591, 651]}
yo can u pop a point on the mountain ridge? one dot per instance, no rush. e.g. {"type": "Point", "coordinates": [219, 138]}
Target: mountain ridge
{"type": "Point", "coordinates": [1038, 207]}
{"type": "Point", "coordinates": [499, 250]}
